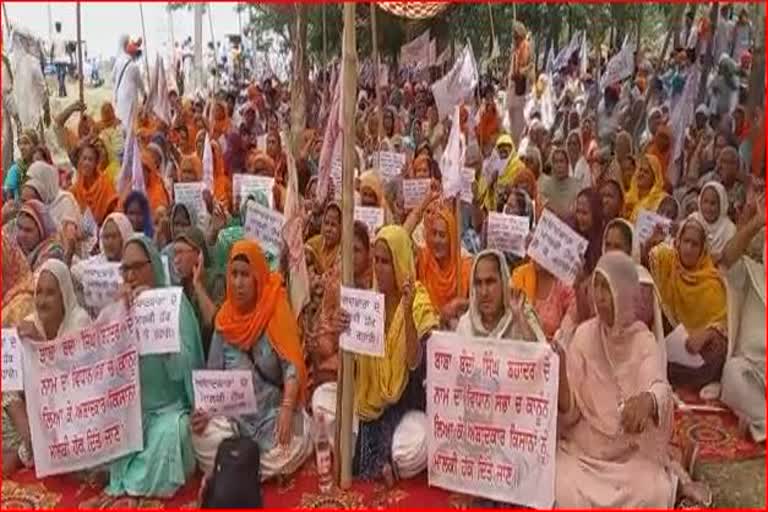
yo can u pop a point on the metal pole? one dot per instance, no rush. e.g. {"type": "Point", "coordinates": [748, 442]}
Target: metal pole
{"type": "Point", "coordinates": [80, 54]}
{"type": "Point", "coordinates": [345, 403]}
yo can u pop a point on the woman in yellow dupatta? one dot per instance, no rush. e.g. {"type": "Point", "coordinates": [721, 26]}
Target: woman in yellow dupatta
{"type": "Point", "coordinates": [372, 194]}
{"type": "Point", "coordinates": [693, 295]}
{"type": "Point", "coordinates": [111, 134]}
{"type": "Point", "coordinates": [442, 269]}
{"type": "Point", "coordinates": [646, 190]}
{"type": "Point", "coordinates": [389, 393]}
{"type": "Point", "coordinates": [327, 245]}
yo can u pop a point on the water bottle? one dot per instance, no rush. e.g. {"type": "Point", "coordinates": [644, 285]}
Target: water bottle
{"type": "Point", "coordinates": [323, 456]}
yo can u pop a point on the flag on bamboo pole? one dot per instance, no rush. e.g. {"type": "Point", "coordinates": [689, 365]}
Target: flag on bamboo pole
{"type": "Point", "coordinates": [158, 95]}
{"type": "Point", "coordinates": [330, 137]}
{"type": "Point", "coordinates": [452, 161]}
{"type": "Point", "coordinates": [208, 163]}
{"type": "Point", "coordinates": [293, 237]}
{"type": "Point", "coordinates": [458, 84]}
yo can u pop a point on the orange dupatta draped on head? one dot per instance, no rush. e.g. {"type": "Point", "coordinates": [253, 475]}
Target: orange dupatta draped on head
{"type": "Point", "coordinates": [100, 196]}
{"type": "Point", "coordinates": [222, 183]}
{"type": "Point", "coordinates": [663, 157]}
{"type": "Point", "coordinates": [220, 122]}
{"type": "Point", "coordinates": [441, 282]}
{"type": "Point", "coordinates": [271, 313]}
{"type": "Point", "coordinates": [153, 182]}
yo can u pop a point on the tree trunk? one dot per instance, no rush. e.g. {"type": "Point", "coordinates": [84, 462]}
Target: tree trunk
{"type": "Point", "coordinates": [299, 78]}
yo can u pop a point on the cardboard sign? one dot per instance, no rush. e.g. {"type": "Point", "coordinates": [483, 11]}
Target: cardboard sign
{"type": "Point", "coordinates": [13, 368]}
{"type": "Point", "coordinates": [366, 330]}
{"type": "Point", "coordinates": [414, 191]}
{"type": "Point", "coordinates": [83, 398]}
{"type": "Point", "coordinates": [492, 418]}
{"type": "Point", "coordinates": [467, 181]}
{"type": "Point", "coordinates": [646, 224]}
{"type": "Point", "coordinates": [227, 393]}
{"type": "Point", "coordinates": [507, 233]}
{"type": "Point", "coordinates": [191, 196]}
{"type": "Point", "coordinates": [557, 248]}
{"type": "Point", "coordinates": [246, 185]}
{"type": "Point", "coordinates": [389, 164]}
{"type": "Point", "coordinates": [156, 313]}
{"type": "Point", "coordinates": [101, 283]}
{"type": "Point", "coordinates": [265, 226]}
{"type": "Point", "coordinates": [371, 216]}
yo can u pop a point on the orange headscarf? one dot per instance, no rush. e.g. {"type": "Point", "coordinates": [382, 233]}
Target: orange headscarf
{"type": "Point", "coordinates": [527, 180]}
{"type": "Point", "coordinates": [153, 182]}
{"type": "Point", "coordinates": [662, 156]}
{"type": "Point", "coordinates": [489, 127]}
{"type": "Point", "coordinates": [280, 160]}
{"type": "Point", "coordinates": [272, 313]}
{"type": "Point", "coordinates": [257, 156]}
{"type": "Point", "coordinates": [441, 281]}
{"type": "Point", "coordinates": [194, 162]}
{"type": "Point", "coordinates": [222, 183]}
{"type": "Point", "coordinates": [220, 122]}
{"type": "Point", "coordinates": [100, 196]}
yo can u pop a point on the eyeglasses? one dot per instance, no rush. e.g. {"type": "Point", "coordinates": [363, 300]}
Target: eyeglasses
{"type": "Point", "coordinates": [133, 267]}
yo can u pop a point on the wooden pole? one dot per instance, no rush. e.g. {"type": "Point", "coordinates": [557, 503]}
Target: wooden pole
{"type": "Point", "coordinates": [199, 70]}
{"type": "Point", "coordinates": [80, 53]}
{"type": "Point", "coordinates": [345, 404]}
{"type": "Point", "coordinates": [7, 20]}
{"type": "Point", "coordinates": [493, 32]}
{"type": "Point", "coordinates": [327, 73]}
{"type": "Point", "coordinates": [377, 87]}
{"type": "Point", "coordinates": [144, 36]}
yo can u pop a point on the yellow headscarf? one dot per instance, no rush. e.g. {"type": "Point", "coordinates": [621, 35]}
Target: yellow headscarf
{"type": "Point", "coordinates": [514, 164]}
{"type": "Point", "coordinates": [381, 381]}
{"type": "Point", "coordinates": [694, 297]}
{"type": "Point", "coordinates": [633, 202]}
{"type": "Point", "coordinates": [371, 180]}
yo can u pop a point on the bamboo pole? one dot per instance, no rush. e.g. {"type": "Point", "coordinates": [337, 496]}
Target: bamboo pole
{"type": "Point", "coordinates": [215, 50]}
{"type": "Point", "coordinates": [493, 32]}
{"type": "Point", "coordinates": [144, 36]}
{"type": "Point", "coordinates": [7, 21]}
{"type": "Point", "coordinates": [345, 404]}
{"type": "Point", "coordinates": [377, 87]}
{"type": "Point", "coordinates": [80, 53]}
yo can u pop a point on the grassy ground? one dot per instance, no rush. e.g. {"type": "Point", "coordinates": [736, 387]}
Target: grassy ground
{"type": "Point", "coordinates": [736, 484]}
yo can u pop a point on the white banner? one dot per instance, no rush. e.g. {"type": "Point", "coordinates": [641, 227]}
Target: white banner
{"type": "Point", "coordinates": [13, 368]}
{"type": "Point", "coordinates": [101, 283]}
{"type": "Point", "coordinates": [389, 164]}
{"type": "Point", "coordinates": [646, 223]}
{"type": "Point", "coordinates": [244, 185]}
{"type": "Point", "coordinates": [191, 196]}
{"type": "Point", "coordinates": [492, 416]}
{"type": "Point", "coordinates": [83, 398]}
{"type": "Point", "coordinates": [557, 247]}
{"type": "Point", "coordinates": [227, 393]}
{"type": "Point", "coordinates": [414, 191]}
{"type": "Point", "coordinates": [507, 233]}
{"type": "Point", "coordinates": [157, 320]}
{"type": "Point", "coordinates": [371, 216]}
{"type": "Point", "coordinates": [265, 226]}
{"type": "Point", "coordinates": [459, 83]}
{"type": "Point", "coordinates": [366, 329]}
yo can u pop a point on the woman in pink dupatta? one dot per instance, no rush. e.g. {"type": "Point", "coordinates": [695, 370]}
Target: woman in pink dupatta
{"type": "Point", "coordinates": [615, 406]}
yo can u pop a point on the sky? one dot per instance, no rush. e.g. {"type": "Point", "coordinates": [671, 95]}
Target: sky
{"type": "Point", "coordinates": [104, 22]}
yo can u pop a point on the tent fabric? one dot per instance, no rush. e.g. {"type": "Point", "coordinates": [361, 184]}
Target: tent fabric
{"type": "Point", "coordinates": [414, 10]}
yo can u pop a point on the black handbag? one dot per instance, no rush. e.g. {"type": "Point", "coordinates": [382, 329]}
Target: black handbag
{"type": "Point", "coordinates": [236, 478]}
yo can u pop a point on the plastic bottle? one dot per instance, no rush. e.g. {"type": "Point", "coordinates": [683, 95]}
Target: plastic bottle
{"type": "Point", "coordinates": [323, 456]}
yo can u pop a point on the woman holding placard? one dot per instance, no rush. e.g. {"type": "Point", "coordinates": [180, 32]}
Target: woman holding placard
{"type": "Point", "coordinates": [167, 460]}
{"type": "Point", "coordinates": [256, 330]}
{"type": "Point", "coordinates": [56, 313]}
{"type": "Point", "coordinates": [389, 392]}
{"type": "Point", "coordinates": [615, 405]}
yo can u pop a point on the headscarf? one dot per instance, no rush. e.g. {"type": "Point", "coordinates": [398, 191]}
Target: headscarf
{"type": "Point", "coordinates": [222, 182]}
{"type": "Point", "coordinates": [259, 158]}
{"type": "Point", "coordinates": [123, 226]}
{"type": "Point", "coordinates": [609, 364]}
{"type": "Point", "coordinates": [634, 203]}
{"type": "Point", "coordinates": [372, 181]}
{"type": "Point", "coordinates": [156, 193]}
{"type": "Point", "coordinates": [99, 196]}
{"type": "Point", "coordinates": [444, 282]}
{"type": "Point", "coordinates": [470, 322]}
{"type": "Point", "coordinates": [663, 157]}
{"type": "Point", "coordinates": [44, 179]}
{"type": "Point", "coordinates": [75, 317]}
{"type": "Point", "coordinates": [694, 297]}
{"type": "Point", "coordinates": [381, 381]}
{"type": "Point", "coordinates": [194, 162]}
{"type": "Point", "coordinates": [720, 232]}
{"type": "Point", "coordinates": [326, 256]}
{"type": "Point", "coordinates": [595, 235]}
{"type": "Point", "coordinates": [18, 284]}
{"type": "Point", "coordinates": [108, 117]}
{"type": "Point", "coordinates": [189, 212]}
{"type": "Point", "coordinates": [220, 122]}
{"type": "Point", "coordinates": [148, 227]}
{"type": "Point", "coordinates": [271, 315]}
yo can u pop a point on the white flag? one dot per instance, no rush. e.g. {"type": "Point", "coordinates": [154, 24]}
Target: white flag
{"type": "Point", "coordinates": [293, 231]}
{"type": "Point", "coordinates": [458, 84]}
{"type": "Point", "coordinates": [452, 162]}
{"type": "Point", "coordinates": [208, 163]}
{"type": "Point", "coordinates": [161, 107]}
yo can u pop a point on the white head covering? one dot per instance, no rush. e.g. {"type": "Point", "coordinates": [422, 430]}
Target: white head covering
{"type": "Point", "coordinates": [44, 178]}
{"type": "Point", "coordinates": [123, 224]}
{"type": "Point", "coordinates": [75, 317]}
{"type": "Point", "coordinates": [720, 232]}
{"type": "Point", "coordinates": [470, 323]}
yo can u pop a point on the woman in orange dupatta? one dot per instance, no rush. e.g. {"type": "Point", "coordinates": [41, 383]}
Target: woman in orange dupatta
{"type": "Point", "coordinates": [276, 153]}
{"type": "Point", "coordinates": [93, 189]}
{"type": "Point", "coordinates": [220, 122]}
{"type": "Point", "coordinates": [153, 183]}
{"type": "Point", "coordinates": [222, 182]}
{"type": "Point", "coordinates": [526, 180]}
{"type": "Point", "coordinates": [261, 164]}
{"type": "Point", "coordinates": [256, 331]}
{"type": "Point", "coordinates": [441, 267]}
{"type": "Point", "coordinates": [661, 148]}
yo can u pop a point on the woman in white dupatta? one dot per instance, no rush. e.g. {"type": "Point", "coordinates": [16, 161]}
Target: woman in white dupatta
{"type": "Point", "coordinates": [56, 314]}
{"type": "Point", "coordinates": [713, 215]}
{"type": "Point", "coordinates": [43, 184]}
{"type": "Point", "coordinates": [493, 311]}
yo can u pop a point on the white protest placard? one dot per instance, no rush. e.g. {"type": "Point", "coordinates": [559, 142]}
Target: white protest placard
{"type": "Point", "coordinates": [101, 282]}
{"type": "Point", "coordinates": [467, 180]}
{"type": "Point", "coordinates": [156, 313]}
{"type": "Point", "coordinates": [366, 328]}
{"type": "Point", "coordinates": [13, 376]}
{"type": "Point", "coordinates": [336, 175]}
{"type": "Point", "coordinates": [414, 191]}
{"type": "Point", "coordinates": [83, 398]}
{"type": "Point", "coordinates": [507, 233]}
{"type": "Point", "coordinates": [557, 248]}
{"type": "Point", "coordinates": [646, 223]}
{"type": "Point", "coordinates": [389, 164]}
{"type": "Point", "coordinates": [227, 393]}
{"type": "Point", "coordinates": [265, 226]}
{"type": "Point", "coordinates": [492, 418]}
{"type": "Point", "coordinates": [191, 196]}
{"type": "Point", "coordinates": [371, 216]}
{"type": "Point", "coordinates": [245, 185]}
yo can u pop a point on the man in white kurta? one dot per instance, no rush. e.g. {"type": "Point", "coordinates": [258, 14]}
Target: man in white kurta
{"type": "Point", "coordinates": [127, 82]}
